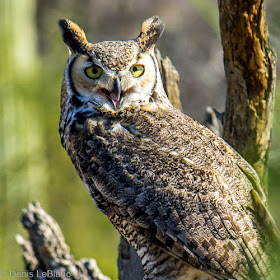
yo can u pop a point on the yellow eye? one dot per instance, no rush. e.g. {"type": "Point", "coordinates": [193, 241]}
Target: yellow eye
{"type": "Point", "coordinates": [93, 72]}
{"type": "Point", "coordinates": [137, 70]}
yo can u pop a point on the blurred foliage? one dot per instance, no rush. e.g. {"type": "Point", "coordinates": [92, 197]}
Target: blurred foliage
{"type": "Point", "coordinates": [32, 58]}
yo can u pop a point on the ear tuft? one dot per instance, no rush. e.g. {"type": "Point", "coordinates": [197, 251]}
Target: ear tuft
{"type": "Point", "coordinates": [73, 36]}
{"type": "Point", "coordinates": [152, 29]}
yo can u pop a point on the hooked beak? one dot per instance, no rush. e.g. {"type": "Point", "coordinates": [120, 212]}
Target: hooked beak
{"type": "Point", "coordinates": [117, 90]}
{"type": "Point", "coordinates": [115, 94]}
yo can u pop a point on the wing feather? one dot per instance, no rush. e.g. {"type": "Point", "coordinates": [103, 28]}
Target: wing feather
{"type": "Point", "coordinates": [221, 216]}
{"type": "Point", "coordinates": [200, 198]}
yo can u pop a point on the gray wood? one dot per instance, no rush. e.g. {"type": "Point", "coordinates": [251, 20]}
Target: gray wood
{"type": "Point", "coordinates": [47, 252]}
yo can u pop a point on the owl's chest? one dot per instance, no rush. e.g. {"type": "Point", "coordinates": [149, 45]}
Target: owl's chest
{"type": "Point", "coordinates": [104, 148]}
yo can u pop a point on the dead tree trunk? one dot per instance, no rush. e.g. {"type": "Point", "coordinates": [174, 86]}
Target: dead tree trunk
{"type": "Point", "coordinates": [250, 73]}
{"type": "Point", "coordinates": [46, 255]}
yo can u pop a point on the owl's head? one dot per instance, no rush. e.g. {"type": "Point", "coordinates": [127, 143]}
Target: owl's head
{"type": "Point", "coordinates": [111, 75]}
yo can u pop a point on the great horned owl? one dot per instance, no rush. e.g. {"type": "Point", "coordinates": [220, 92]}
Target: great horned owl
{"type": "Point", "coordinates": [189, 204]}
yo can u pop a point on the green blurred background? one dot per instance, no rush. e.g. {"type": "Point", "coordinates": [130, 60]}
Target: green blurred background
{"type": "Point", "coordinates": [33, 165]}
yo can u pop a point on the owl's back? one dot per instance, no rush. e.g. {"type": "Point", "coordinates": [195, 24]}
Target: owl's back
{"type": "Point", "coordinates": [178, 186]}
{"type": "Point", "coordinates": [182, 197]}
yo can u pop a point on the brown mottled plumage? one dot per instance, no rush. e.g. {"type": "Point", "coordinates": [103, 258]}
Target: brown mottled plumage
{"type": "Point", "coordinates": [189, 204]}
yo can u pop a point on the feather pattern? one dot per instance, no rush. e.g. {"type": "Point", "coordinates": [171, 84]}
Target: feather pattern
{"type": "Point", "coordinates": [189, 204]}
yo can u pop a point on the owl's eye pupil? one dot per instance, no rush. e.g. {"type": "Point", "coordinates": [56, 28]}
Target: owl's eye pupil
{"type": "Point", "coordinates": [137, 70]}
{"type": "Point", "coordinates": [93, 72]}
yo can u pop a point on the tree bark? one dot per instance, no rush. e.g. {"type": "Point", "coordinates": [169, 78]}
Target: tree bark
{"type": "Point", "coordinates": [46, 255]}
{"type": "Point", "coordinates": [251, 74]}
{"type": "Point", "coordinates": [170, 78]}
